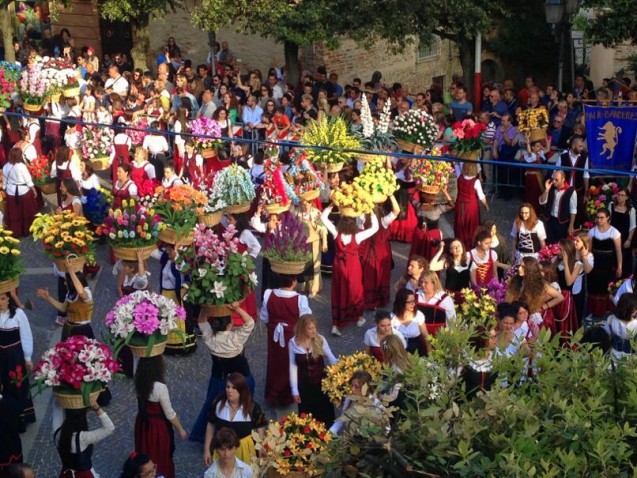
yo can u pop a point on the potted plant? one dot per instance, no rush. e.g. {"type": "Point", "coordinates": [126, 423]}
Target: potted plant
{"type": "Point", "coordinates": [97, 145]}
{"type": "Point", "coordinates": [352, 200]}
{"type": "Point", "coordinates": [291, 446]}
{"type": "Point", "coordinates": [142, 321]}
{"type": "Point", "coordinates": [468, 138]}
{"type": "Point", "coordinates": [205, 134]}
{"type": "Point", "coordinates": [336, 383]}
{"type": "Point", "coordinates": [10, 74]}
{"type": "Point", "coordinates": [77, 369]}
{"type": "Point", "coordinates": [213, 209]}
{"type": "Point", "coordinates": [178, 207]}
{"type": "Point", "coordinates": [219, 274]}
{"type": "Point", "coordinates": [286, 246]}
{"type": "Point", "coordinates": [130, 228]}
{"type": "Point", "coordinates": [274, 197]}
{"type": "Point", "coordinates": [432, 175]}
{"type": "Point", "coordinates": [415, 131]}
{"type": "Point", "coordinates": [10, 265]}
{"type": "Point", "coordinates": [64, 235]}
{"type": "Point", "coordinates": [235, 186]}
{"type": "Point", "coordinates": [40, 170]}
{"type": "Point", "coordinates": [33, 88]}
{"type": "Point", "coordinates": [334, 135]}
{"type": "Point", "coordinates": [377, 179]}
{"type": "Point", "coordinates": [306, 182]}
{"type": "Point", "coordinates": [375, 137]}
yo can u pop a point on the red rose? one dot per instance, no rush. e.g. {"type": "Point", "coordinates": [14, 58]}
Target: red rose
{"type": "Point", "coordinates": [306, 430]}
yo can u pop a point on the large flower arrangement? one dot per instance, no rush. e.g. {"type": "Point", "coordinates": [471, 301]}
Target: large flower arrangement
{"type": "Point", "coordinates": [219, 273]}
{"type": "Point", "coordinates": [142, 318]}
{"type": "Point", "coordinates": [549, 253]}
{"type": "Point", "coordinates": [10, 74]}
{"type": "Point", "coordinates": [600, 197]}
{"type": "Point", "coordinates": [433, 173]}
{"type": "Point", "coordinates": [131, 226]}
{"type": "Point", "coordinates": [97, 142]}
{"type": "Point", "coordinates": [33, 86]}
{"type": "Point", "coordinates": [10, 265]}
{"type": "Point", "coordinates": [96, 205]}
{"type": "Point", "coordinates": [376, 137]}
{"type": "Point", "coordinates": [178, 207]}
{"type": "Point", "coordinates": [63, 234]}
{"type": "Point", "coordinates": [478, 309]}
{"type": "Point", "coordinates": [215, 203]}
{"type": "Point", "coordinates": [138, 132]}
{"type": "Point", "coordinates": [40, 170]}
{"type": "Point", "coordinates": [55, 72]}
{"type": "Point", "coordinates": [530, 119]}
{"type": "Point", "coordinates": [206, 133]}
{"type": "Point", "coordinates": [273, 191]}
{"type": "Point", "coordinates": [495, 289]}
{"type": "Point", "coordinates": [288, 242]}
{"type": "Point", "coordinates": [377, 179]}
{"type": "Point", "coordinates": [234, 185]}
{"type": "Point", "coordinates": [332, 134]}
{"type": "Point", "coordinates": [292, 445]}
{"type": "Point", "coordinates": [336, 381]}
{"type": "Point", "coordinates": [468, 136]}
{"type": "Point", "coordinates": [352, 200]}
{"type": "Point", "coordinates": [416, 126]}
{"type": "Point", "coordinates": [77, 365]}
{"type": "Point", "coordinates": [304, 180]}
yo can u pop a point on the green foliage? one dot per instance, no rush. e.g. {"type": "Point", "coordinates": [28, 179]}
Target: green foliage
{"type": "Point", "coordinates": [615, 21]}
{"type": "Point", "coordinates": [138, 11]}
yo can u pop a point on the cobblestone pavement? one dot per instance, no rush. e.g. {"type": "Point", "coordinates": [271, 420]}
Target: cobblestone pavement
{"type": "Point", "coordinates": [187, 377]}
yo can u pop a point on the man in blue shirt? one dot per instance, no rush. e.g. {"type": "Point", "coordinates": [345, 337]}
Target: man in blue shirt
{"type": "Point", "coordinates": [251, 116]}
{"type": "Point", "coordinates": [498, 107]}
{"type": "Point", "coordinates": [460, 107]}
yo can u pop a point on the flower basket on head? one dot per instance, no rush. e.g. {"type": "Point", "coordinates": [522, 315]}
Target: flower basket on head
{"type": "Point", "coordinates": [468, 136]}
{"type": "Point", "coordinates": [291, 446]}
{"type": "Point", "coordinates": [219, 273]}
{"type": "Point", "coordinates": [10, 264]}
{"type": "Point", "coordinates": [274, 197]}
{"type": "Point", "coordinates": [97, 204]}
{"type": "Point", "coordinates": [286, 247]}
{"type": "Point", "coordinates": [142, 321]}
{"type": "Point", "coordinates": [205, 134]}
{"type": "Point", "coordinates": [97, 145]}
{"type": "Point", "coordinates": [377, 180]}
{"type": "Point", "coordinates": [10, 74]}
{"type": "Point", "coordinates": [433, 175]}
{"type": "Point", "coordinates": [352, 200]}
{"type": "Point", "coordinates": [234, 185]}
{"type": "Point", "coordinates": [415, 128]}
{"type": "Point", "coordinates": [130, 228]}
{"type": "Point", "coordinates": [77, 369]}
{"type": "Point", "coordinates": [599, 197]}
{"type": "Point", "coordinates": [336, 383]}
{"type": "Point", "coordinates": [375, 137]}
{"type": "Point", "coordinates": [535, 122]}
{"type": "Point", "coordinates": [40, 170]}
{"type": "Point", "coordinates": [64, 235]}
{"type": "Point", "coordinates": [331, 134]}
{"type": "Point", "coordinates": [33, 87]}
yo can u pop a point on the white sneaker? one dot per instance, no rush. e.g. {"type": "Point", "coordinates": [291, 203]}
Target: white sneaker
{"type": "Point", "coordinates": [335, 331]}
{"type": "Point", "coordinates": [360, 322]}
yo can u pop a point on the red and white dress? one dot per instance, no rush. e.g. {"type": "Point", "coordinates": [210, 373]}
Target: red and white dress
{"type": "Point", "coordinates": [22, 205]}
{"type": "Point", "coordinates": [438, 310]}
{"type": "Point", "coordinates": [467, 213]}
{"type": "Point", "coordinates": [485, 267]}
{"type": "Point", "coordinates": [121, 152]}
{"type": "Point", "coordinates": [122, 191]}
{"type": "Point", "coordinates": [376, 262]}
{"type": "Point", "coordinates": [143, 175]}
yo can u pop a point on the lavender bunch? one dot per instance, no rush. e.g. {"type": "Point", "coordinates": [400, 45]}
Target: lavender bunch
{"type": "Point", "coordinates": [288, 243]}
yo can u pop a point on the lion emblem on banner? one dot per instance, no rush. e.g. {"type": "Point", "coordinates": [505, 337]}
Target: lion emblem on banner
{"type": "Point", "coordinates": [609, 134]}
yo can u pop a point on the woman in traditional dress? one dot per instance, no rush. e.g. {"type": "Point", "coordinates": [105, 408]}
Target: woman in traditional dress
{"type": "Point", "coordinates": [622, 217]}
{"type": "Point", "coordinates": [376, 258]}
{"type": "Point", "coordinates": [179, 126]}
{"type": "Point", "coordinates": [607, 251]}
{"type": "Point", "coordinates": [375, 335]}
{"type": "Point", "coordinates": [428, 236]}
{"type": "Point", "coordinates": [397, 358]}
{"type": "Point", "coordinates": [583, 254]}
{"type": "Point", "coordinates": [347, 289]}
{"type": "Point", "coordinates": [63, 168]}
{"type": "Point", "coordinates": [434, 302]}
{"type": "Point", "coordinates": [484, 261]}
{"type": "Point", "coordinates": [143, 173]}
{"type": "Point", "coordinates": [124, 188]}
{"type": "Point", "coordinates": [533, 178]}
{"type": "Point", "coordinates": [194, 166]}
{"type": "Point", "coordinates": [70, 197]}
{"type": "Point", "coordinates": [402, 229]}
{"type": "Point", "coordinates": [16, 348]}
{"type": "Point", "coordinates": [226, 344]}
{"type": "Point", "coordinates": [281, 310]}
{"type": "Point", "coordinates": [29, 152]}
{"type": "Point", "coordinates": [310, 282]}
{"type": "Point", "coordinates": [470, 194]}
{"type": "Point", "coordinates": [457, 270]}
{"type": "Point", "coordinates": [528, 234]}
{"type": "Point", "coordinates": [33, 129]}
{"type": "Point", "coordinates": [121, 150]}
{"type": "Point", "coordinates": [410, 322]}
{"type": "Point", "coordinates": [89, 180]}
{"type": "Point", "coordinates": [234, 408]}
{"type": "Point", "coordinates": [75, 443]}
{"type": "Point", "coordinates": [155, 417]}
{"type": "Point", "coordinates": [570, 272]}
{"type": "Point", "coordinates": [309, 355]}
{"type": "Point", "coordinates": [21, 199]}
{"type": "Point", "coordinates": [327, 257]}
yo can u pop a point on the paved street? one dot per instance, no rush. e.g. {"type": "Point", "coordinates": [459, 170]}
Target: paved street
{"type": "Point", "coordinates": [187, 376]}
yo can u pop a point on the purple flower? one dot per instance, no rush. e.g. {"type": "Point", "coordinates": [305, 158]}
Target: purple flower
{"type": "Point", "coordinates": [146, 318]}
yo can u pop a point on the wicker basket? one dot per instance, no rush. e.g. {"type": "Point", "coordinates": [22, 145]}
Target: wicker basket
{"type": "Point", "coordinates": [9, 285]}
{"type": "Point", "coordinates": [276, 208]}
{"type": "Point", "coordinates": [31, 108]}
{"type": "Point", "coordinates": [406, 145]}
{"type": "Point", "coordinates": [470, 155]}
{"type": "Point", "coordinates": [77, 264]}
{"type": "Point", "coordinates": [55, 98]}
{"type": "Point", "coordinates": [537, 134]}
{"type": "Point", "coordinates": [212, 219]}
{"type": "Point", "coordinates": [364, 158]}
{"type": "Point", "coordinates": [130, 253]}
{"type": "Point", "coordinates": [273, 473]}
{"type": "Point", "coordinates": [349, 212]}
{"type": "Point", "coordinates": [288, 268]}
{"type": "Point", "coordinates": [169, 236]}
{"type": "Point", "coordinates": [71, 92]}
{"type": "Point", "coordinates": [429, 189]}
{"type": "Point", "coordinates": [238, 208]}
{"type": "Point", "coordinates": [71, 401]}
{"type": "Point", "coordinates": [100, 163]}
{"type": "Point", "coordinates": [216, 310]}
{"type": "Point", "coordinates": [142, 350]}
{"type": "Point", "coordinates": [46, 188]}
{"type": "Point", "coordinates": [208, 153]}
{"type": "Point", "coordinates": [335, 167]}
{"type": "Point", "coordinates": [310, 195]}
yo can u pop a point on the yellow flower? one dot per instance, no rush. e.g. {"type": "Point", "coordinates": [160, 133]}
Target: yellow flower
{"type": "Point", "coordinates": [4, 250]}
{"type": "Point", "coordinates": [59, 245]}
{"type": "Point", "coordinates": [15, 252]}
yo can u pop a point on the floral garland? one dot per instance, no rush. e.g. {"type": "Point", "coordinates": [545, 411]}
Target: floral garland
{"type": "Point", "coordinates": [10, 265]}
{"type": "Point", "coordinates": [40, 170]}
{"type": "Point", "coordinates": [332, 134]}
{"type": "Point", "coordinates": [478, 309]}
{"type": "Point", "coordinates": [600, 197]}
{"type": "Point", "coordinates": [336, 383]}
{"type": "Point", "coordinates": [97, 142]}
{"type": "Point", "coordinates": [288, 242]}
{"type": "Point", "coordinates": [63, 234]}
{"type": "Point", "coordinates": [416, 126]}
{"type": "Point", "coordinates": [234, 185]}
{"type": "Point", "coordinates": [468, 136]}
{"type": "Point", "coordinates": [206, 133]}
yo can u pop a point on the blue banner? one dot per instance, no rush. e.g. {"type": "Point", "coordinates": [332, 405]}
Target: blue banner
{"type": "Point", "coordinates": [611, 132]}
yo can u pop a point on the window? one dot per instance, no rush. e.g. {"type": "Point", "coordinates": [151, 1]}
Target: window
{"type": "Point", "coordinates": [429, 51]}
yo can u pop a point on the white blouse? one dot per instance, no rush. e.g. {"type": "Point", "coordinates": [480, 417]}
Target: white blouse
{"type": "Point", "coordinates": [20, 321]}
{"type": "Point", "coordinates": [409, 329]}
{"type": "Point", "coordinates": [67, 165]}
{"type": "Point", "coordinates": [294, 349]}
{"type": "Point", "coordinates": [371, 337]}
{"type": "Point", "coordinates": [160, 394]}
{"type": "Point", "coordinates": [92, 182]}
{"type": "Point", "coordinates": [17, 179]}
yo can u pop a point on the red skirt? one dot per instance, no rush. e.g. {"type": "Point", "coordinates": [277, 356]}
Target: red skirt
{"type": "Point", "coordinates": [21, 211]}
{"type": "Point", "coordinates": [422, 245]}
{"type": "Point", "coordinates": [376, 259]}
{"type": "Point", "coordinates": [154, 437]}
{"type": "Point", "coordinates": [548, 321]}
{"type": "Point", "coordinates": [249, 304]}
{"type": "Point", "coordinates": [466, 221]}
{"type": "Point", "coordinates": [347, 290]}
{"type": "Point", "coordinates": [403, 230]}
{"type": "Point", "coordinates": [565, 317]}
{"type": "Point", "coordinates": [277, 384]}
{"type": "Point", "coordinates": [533, 186]}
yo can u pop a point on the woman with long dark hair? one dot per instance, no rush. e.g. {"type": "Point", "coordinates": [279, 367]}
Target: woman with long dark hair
{"type": "Point", "coordinates": [21, 199]}
{"type": "Point", "coordinates": [622, 326]}
{"type": "Point", "coordinates": [528, 234]}
{"type": "Point", "coordinates": [75, 443]}
{"type": "Point", "coordinates": [138, 465]}
{"type": "Point", "coordinates": [155, 417]}
{"type": "Point", "coordinates": [410, 322]}
{"type": "Point", "coordinates": [64, 168]}
{"type": "Point", "coordinates": [622, 214]}
{"type": "Point", "coordinates": [70, 197]}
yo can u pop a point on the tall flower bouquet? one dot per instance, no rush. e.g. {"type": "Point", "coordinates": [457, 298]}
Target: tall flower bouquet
{"type": "Point", "coordinates": [292, 445]}
{"type": "Point", "coordinates": [377, 179]}
{"type": "Point", "coordinates": [40, 170]}
{"type": "Point", "coordinates": [534, 121]}
{"type": "Point", "coordinates": [332, 134]}
{"type": "Point", "coordinates": [76, 368]}
{"type": "Point", "coordinates": [178, 207]}
{"type": "Point", "coordinates": [600, 197]}
{"type": "Point", "coordinates": [142, 321]}
{"type": "Point", "coordinates": [234, 185]}
{"type": "Point", "coordinates": [274, 196]}
{"type": "Point", "coordinates": [416, 127]}
{"type": "Point", "coordinates": [10, 74]}
{"type": "Point", "coordinates": [468, 136]}
{"type": "Point", "coordinates": [304, 180]}
{"type": "Point", "coordinates": [376, 137]}
{"type": "Point", "coordinates": [352, 200]}
{"type": "Point", "coordinates": [97, 145]}
{"type": "Point", "coordinates": [206, 133]}
{"type": "Point", "coordinates": [213, 209]}
{"type": "Point", "coordinates": [97, 204]}
{"type": "Point", "coordinates": [219, 273]}
{"type": "Point", "coordinates": [33, 86]}
{"type": "Point", "coordinates": [433, 175]}
{"type": "Point", "coordinates": [10, 264]}
{"type": "Point", "coordinates": [478, 309]}
{"type": "Point", "coordinates": [286, 247]}
{"type": "Point", "coordinates": [336, 381]}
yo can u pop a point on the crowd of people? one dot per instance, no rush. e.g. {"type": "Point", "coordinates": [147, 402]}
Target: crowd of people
{"type": "Point", "coordinates": [557, 292]}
